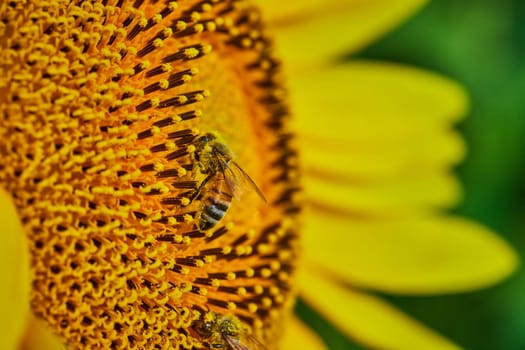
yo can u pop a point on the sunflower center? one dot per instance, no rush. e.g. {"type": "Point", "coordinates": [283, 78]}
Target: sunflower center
{"type": "Point", "coordinates": [146, 149]}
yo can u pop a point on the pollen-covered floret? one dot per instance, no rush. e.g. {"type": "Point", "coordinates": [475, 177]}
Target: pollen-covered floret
{"type": "Point", "coordinates": [101, 103]}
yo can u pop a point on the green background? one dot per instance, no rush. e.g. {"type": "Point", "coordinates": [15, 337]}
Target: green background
{"type": "Point", "coordinates": [481, 44]}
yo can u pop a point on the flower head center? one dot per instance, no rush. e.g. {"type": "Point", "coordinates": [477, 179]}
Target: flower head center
{"type": "Point", "coordinates": [145, 146]}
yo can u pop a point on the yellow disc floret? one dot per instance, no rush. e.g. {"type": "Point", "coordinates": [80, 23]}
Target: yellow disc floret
{"type": "Point", "coordinates": [101, 104]}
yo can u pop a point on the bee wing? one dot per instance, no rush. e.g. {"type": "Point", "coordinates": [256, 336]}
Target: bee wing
{"type": "Point", "coordinates": [230, 178]}
{"type": "Point", "coordinates": [248, 342]}
{"type": "Point", "coordinates": [236, 178]}
{"type": "Point", "coordinates": [236, 174]}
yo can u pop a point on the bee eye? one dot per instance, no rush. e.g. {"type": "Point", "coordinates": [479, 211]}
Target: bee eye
{"type": "Point", "coordinates": [205, 138]}
{"type": "Point", "coordinates": [205, 328]}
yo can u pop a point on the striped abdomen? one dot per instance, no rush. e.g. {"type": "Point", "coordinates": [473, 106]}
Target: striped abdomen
{"type": "Point", "coordinates": [216, 201]}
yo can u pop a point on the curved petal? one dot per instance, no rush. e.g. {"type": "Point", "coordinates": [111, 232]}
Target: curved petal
{"type": "Point", "coordinates": [14, 276]}
{"type": "Point", "coordinates": [379, 159]}
{"type": "Point", "coordinates": [406, 196]}
{"type": "Point", "coordinates": [299, 336]}
{"type": "Point", "coordinates": [420, 256]}
{"type": "Point", "coordinates": [360, 102]}
{"type": "Point", "coordinates": [381, 139]}
{"type": "Point", "coordinates": [368, 319]}
{"type": "Point", "coordinates": [370, 120]}
{"type": "Point", "coordinates": [312, 32]}
{"type": "Point", "coordinates": [39, 337]}
{"type": "Point", "coordinates": [276, 12]}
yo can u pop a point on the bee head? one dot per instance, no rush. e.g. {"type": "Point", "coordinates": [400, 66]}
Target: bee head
{"type": "Point", "coordinates": [209, 144]}
{"type": "Point", "coordinates": [205, 326]}
{"type": "Point", "coordinates": [205, 139]}
{"type": "Point", "coordinates": [205, 329]}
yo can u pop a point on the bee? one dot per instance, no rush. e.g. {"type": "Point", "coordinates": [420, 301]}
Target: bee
{"type": "Point", "coordinates": [223, 182]}
{"type": "Point", "coordinates": [226, 332]}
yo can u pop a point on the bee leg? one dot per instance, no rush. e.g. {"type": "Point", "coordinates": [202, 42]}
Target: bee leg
{"type": "Point", "coordinates": [201, 186]}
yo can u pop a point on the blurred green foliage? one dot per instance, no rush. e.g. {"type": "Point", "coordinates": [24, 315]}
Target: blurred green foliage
{"type": "Point", "coordinates": [481, 44]}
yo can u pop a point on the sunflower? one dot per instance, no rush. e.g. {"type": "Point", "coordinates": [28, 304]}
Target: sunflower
{"type": "Point", "coordinates": [124, 120]}
{"type": "Point", "coordinates": [147, 151]}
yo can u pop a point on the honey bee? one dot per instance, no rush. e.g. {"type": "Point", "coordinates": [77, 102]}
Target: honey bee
{"type": "Point", "coordinates": [224, 180]}
{"type": "Point", "coordinates": [226, 332]}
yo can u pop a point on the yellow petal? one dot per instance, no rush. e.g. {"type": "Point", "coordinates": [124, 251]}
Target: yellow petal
{"type": "Point", "coordinates": [14, 276]}
{"type": "Point", "coordinates": [309, 32]}
{"type": "Point", "coordinates": [420, 256]}
{"type": "Point", "coordinates": [363, 102]}
{"type": "Point", "coordinates": [39, 337]}
{"type": "Point", "coordinates": [368, 319]}
{"type": "Point", "coordinates": [408, 196]}
{"type": "Point", "coordinates": [299, 336]}
{"type": "Point", "coordinates": [275, 11]}
{"type": "Point", "coordinates": [368, 121]}
{"type": "Point", "coordinates": [421, 153]}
